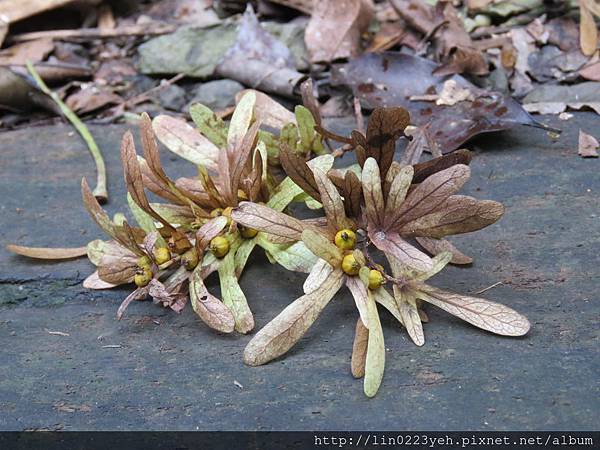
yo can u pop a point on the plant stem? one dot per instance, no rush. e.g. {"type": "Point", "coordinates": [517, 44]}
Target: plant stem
{"type": "Point", "coordinates": [100, 191]}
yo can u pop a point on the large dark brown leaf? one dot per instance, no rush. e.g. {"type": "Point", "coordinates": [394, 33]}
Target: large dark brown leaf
{"type": "Point", "coordinates": [297, 169]}
{"type": "Point", "coordinates": [391, 78]}
{"type": "Point", "coordinates": [385, 126]}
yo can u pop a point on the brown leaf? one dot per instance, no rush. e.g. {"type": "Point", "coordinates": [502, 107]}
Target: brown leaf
{"type": "Point", "coordinates": [265, 219]}
{"type": "Point", "coordinates": [335, 29]}
{"type": "Point", "coordinates": [117, 271]}
{"type": "Point", "coordinates": [279, 335]}
{"type": "Point", "coordinates": [385, 126]}
{"type": "Point", "coordinates": [436, 246]}
{"type": "Point", "coordinates": [238, 159]}
{"type": "Point", "coordinates": [372, 193]}
{"type": "Point", "coordinates": [209, 308]}
{"type": "Point", "coordinates": [91, 99]}
{"type": "Point", "coordinates": [296, 168]}
{"type": "Point", "coordinates": [156, 185]}
{"type": "Point", "coordinates": [333, 205]}
{"type": "Point", "coordinates": [393, 245]}
{"type": "Point", "coordinates": [359, 349]}
{"type": "Point", "coordinates": [410, 316]}
{"type": "Point", "coordinates": [352, 194]}
{"type": "Point", "coordinates": [133, 174]}
{"type": "Point", "coordinates": [47, 252]}
{"type": "Point", "coordinates": [428, 168]}
{"type": "Point", "coordinates": [35, 51]}
{"type": "Point", "coordinates": [421, 141]}
{"type": "Point", "coordinates": [482, 313]}
{"type": "Point", "coordinates": [588, 145]}
{"type": "Point", "coordinates": [458, 214]}
{"type": "Point", "coordinates": [428, 195]}
{"type": "Point", "coordinates": [398, 190]}
{"type": "Point", "coordinates": [588, 32]}
{"type": "Point", "coordinates": [309, 100]}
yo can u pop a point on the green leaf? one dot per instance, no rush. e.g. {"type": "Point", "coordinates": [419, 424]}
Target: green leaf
{"type": "Point", "coordinates": [289, 136]}
{"type": "Point", "coordinates": [209, 124]}
{"type": "Point", "coordinates": [119, 219]}
{"type": "Point", "coordinates": [309, 139]}
{"type": "Point", "coordinates": [233, 296]}
{"type": "Point", "coordinates": [95, 251]}
{"type": "Point", "coordinates": [284, 194]}
{"type": "Point", "coordinates": [271, 142]}
{"type": "Point", "coordinates": [295, 257]}
{"type": "Point", "coordinates": [145, 222]}
{"type": "Point", "coordinates": [242, 254]}
{"type": "Point", "coordinates": [375, 363]}
{"type": "Point", "coordinates": [241, 119]}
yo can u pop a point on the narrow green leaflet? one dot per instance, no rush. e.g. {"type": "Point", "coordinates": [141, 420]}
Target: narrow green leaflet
{"type": "Point", "coordinates": [145, 222]}
{"type": "Point", "coordinates": [285, 192]}
{"type": "Point", "coordinates": [295, 257]}
{"type": "Point", "coordinates": [310, 141]}
{"type": "Point", "coordinates": [375, 363]}
{"type": "Point", "coordinates": [242, 254]}
{"type": "Point", "coordinates": [232, 294]}
{"type": "Point", "coordinates": [241, 119]}
{"type": "Point", "coordinates": [209, 124]}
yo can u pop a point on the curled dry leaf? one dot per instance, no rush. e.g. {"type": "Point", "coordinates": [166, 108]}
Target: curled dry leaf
{"type": "Point", "coordinates": [588, 145]}
{"type": "Point", "coordinates": [209, 308]}
{"type": "Point", "coordinates": [279, 335]}
{"type": "Point", "coordinates": [47, 252]}
{"type": "Point", "coordinates": [232, 294]}
{"type": "Point", "coordinates": [359, 349]}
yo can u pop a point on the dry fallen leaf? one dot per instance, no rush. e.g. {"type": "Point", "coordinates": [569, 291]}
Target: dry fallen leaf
{"type": "Point", "coordinates": [48, 253]}
{"type": "Point", "coordinates": [588, 145]}
{"type": "Point", "coordinates": [588, 32]}
{"type": "Point", "coordinates": [335, 29]}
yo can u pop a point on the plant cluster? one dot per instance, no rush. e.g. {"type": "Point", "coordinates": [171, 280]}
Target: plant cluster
{"type": "Point", "coordinates": [382, 233]}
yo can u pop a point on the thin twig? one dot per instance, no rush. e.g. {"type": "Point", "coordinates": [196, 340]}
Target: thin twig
{"type": "Point", "coordinates": [488, 288]}
{"type": "Point", "coordinates": [360, 120]}
{"type": "Point", "coordinates": [95, 33]}
{"type": "Point", "coordinates": [100, 191]}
